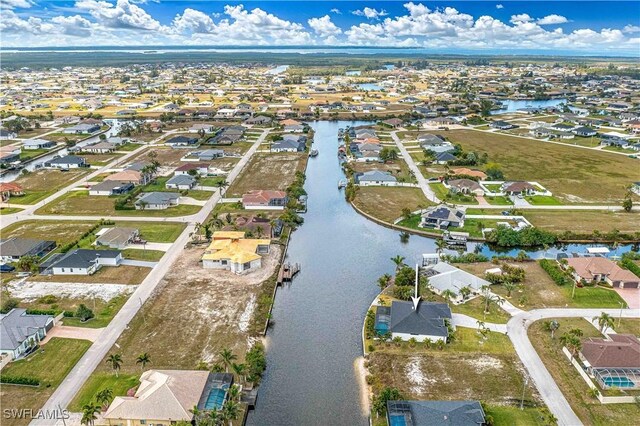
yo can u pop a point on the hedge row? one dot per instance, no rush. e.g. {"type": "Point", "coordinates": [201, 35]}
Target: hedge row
{"type": "Point", "coordinates": [554, 271]}
{"type": "Point", "coordinates": [20, 380]}
{"type": "Point", "coordinates": [627, 263]}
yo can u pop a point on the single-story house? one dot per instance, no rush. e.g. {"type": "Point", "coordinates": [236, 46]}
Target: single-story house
{"type": "Point", "coordinates": [230, 250]}
{"type": "Point", "coordinates": [9, 154]}
{"type": "Point", "coordinates": [518, 188]}
{"type": "Point", "coordinates": [465, 186]}
{"type": "Point", "coordinates": [128, 176]}
{"type": "Point", "coordinates": [288, 145]}
{"type": "Point", "coordinates": [432, 413]}
{"type": "Point", "coordinates": [82, 128]}
{"type": "Point", "coordinates": [444, 158]}
{"type": "Point", "coordinates": [102, 147]}
{"type": "Point", "coordinates": [201, 168]}
{"type": "Point", "coordinates": [117, 238]}
{"type": "Point", "coordinates": [442, 217]}
{"type": "Point", "coordinates": [182, 182]}
{"type": "Point", "coordinates": [110, 187]}
{"type": "Point", "coordinates": [202, 127]}
{"type": "Point", "coordinates": [614, 361]}
{"type": "Point", "coordinates": [502, 125]}
{"type": "Point", "coordinates": [258, 226]}
{"type": "Point", "coordinates": [83, 261]}
{"type": "Point", "coordinates": [157, 200]}
{"type": "Point", "coordinates": [165, 397]}
{"type": "Point", "coordinates": [6, 135]}
{"type": "Point", "coordinates": [210, 154]}
{"type": "Point", "coordinates": [12, 249]}
{"type": "Point", "coordinates": [428, 321]}
{"type": "Point", "coordinates": [31, 144]}
{"type": "Point", "coordinates": [178, 141]}
{"type": "Point", "coordinates": [258, 120]}
{"type": "Point", "coordinates": [602, 269]}
{"type": "Point", "coordinates": [375, 178]}
{"type": "Point", "coordinates": [10, 189]}
{"type": "Point", "coordinates": [443, 276]}
{"type": "Point", "coordinates": [585, 132]}
{"type": "Point", "coordinates": [66, 162]}
{"type": "Point", "coordinates": [20, 332]}
{"type": "Point", "coordinates": [265, 200]}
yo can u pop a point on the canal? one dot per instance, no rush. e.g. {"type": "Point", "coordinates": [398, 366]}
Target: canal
{"type": "Point", "coordinates": [315, 338]}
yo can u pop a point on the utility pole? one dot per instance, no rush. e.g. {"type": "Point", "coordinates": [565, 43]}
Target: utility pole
{"type": "Point", "coordinates": [620, 315]}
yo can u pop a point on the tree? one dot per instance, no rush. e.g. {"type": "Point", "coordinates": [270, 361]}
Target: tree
{"type": "Point", "coordinates": [143, 359]}
{"type": "Point", "coordinates": [104, 398]}
{"type": "Point", "coordinates": [551, 326]}
{"type": "Point", "coordinates": [383, 281]}
{"type": "Point", "coordinates": [89, 414]}
{"type": "Point", "coordinates": [115, 360]}
{"type": "Point", "coordinates": [84, 313]}
{"type": "Point", "coordinates": [627, 204]}
{"type": "Point", "coordinates": [448, 295]}
{"type": "Point", "coordinates": [227, 358]}
{"type": "Point", "coordinates": [380, 401]}
{"type": "Point", "coordinates": [240, 370]}
{"type": "Point", "coordinates": [399, 261]}
{"type": "Point", "coordinates": [605, 321]}
{"type": "Point", "coordinates": [221, 185]}
{"type": "Point", "coordinates": [230, 411]}
{"type": "Point", "coordinates": [509, 286]}
{"type": "Point", "coordinates": [406, 212]}
{"type": "Point", "coordinates": [465, 292]}
{"type": "Point", "coordinates": [572, 343]}
{"type": "Point", "coordinates": [28, 263]}
{"type": "Point", "coordinates": [440, 245]}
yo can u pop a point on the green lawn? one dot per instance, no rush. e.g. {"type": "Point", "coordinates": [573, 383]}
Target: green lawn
{"type": "Point", "coordinates": [541, 200]}
{"type": "Point", "coordinates": [500, 200]}
{"type": "Point", "coordinates": [30, 197]}
{"type": "Point", "coordinates": [593, 297]}
{"type": "Point", "coordinates": [9, 210]}
{"type": "Point", "coordinates": [31, 153]}
{"type": "Point", "coordinates": [148, 255]}
{"type": "Point", "coordinates": [156, 232]}
{"type": "Point", "coordinates": [513, 416]}
{"type": "Point", "coordinates": [444, 194]}
{"type": "Point", "coordinates": [129, 147]}
{"type": "Point", "coordinates": [99, 381]}
{"type": "Point", "coordinates": [103, 316]}
{"type": "Point", "coordinates": [211, 181]}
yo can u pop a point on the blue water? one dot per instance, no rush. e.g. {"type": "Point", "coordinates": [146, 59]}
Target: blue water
{"type": "Point", "coordinates": [369, 86]}
{"type": "Point", "coordinates": [353, 73]}
{"type": "Point", "coordinates": [513, 106]}
{"type": "Point", "coordinates": [619, 382]}
{"type": "Point", "coordinates": [397, 420]}
{"type": "Point", "coordinates": [216, 398]}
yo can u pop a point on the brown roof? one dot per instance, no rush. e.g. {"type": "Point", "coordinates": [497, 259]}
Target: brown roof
{"type": "Point", "coordinates": [622, 351]}
{"type": "Point", "coordinates": [262, 196]}
{"type": "Point", "coordinates": [125, 176]}
{"type": "Point", "coordinates": [588, 267]}
{"type": "Point", "coordinates": [469, 172]}
{"type": "Point", "coordinates": [10, 187]}
{"type": "Point", "coordinates": [192, 166]}
{"type": "Point", "coordinates": [519, 187]}
{"type": "Point", "coordinates": [465, 183]}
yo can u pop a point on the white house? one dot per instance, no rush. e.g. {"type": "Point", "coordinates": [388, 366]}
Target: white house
{"type": "Point", "coordinates": [83, 261]}
{"type": "Point", "coordinates": [20, 332]}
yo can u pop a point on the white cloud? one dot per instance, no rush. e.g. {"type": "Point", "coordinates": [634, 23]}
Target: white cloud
{"type": "Point", "coordinates": [193, 21]}
{"type": "Point", "coordinates": [370, 13]}
{"type": "Point", "coordinates": [73, 25]}
{"type": "Point", "coordinates": [520, 19]}
{"type": "Point", "coordinates": [552, 20]}
{"type": "Point", "coordinates": [499, 6]}
{"type": "Point", "coordinates": [336, 11]}
{"type": "Point", "coordinates": [630, 29]}
{"type": "Point", "coordinates": [15, 4]}
{"type": "Point", "coordinates": [323, 26]}
{"type": "Point", "coordinates": [123, 15]}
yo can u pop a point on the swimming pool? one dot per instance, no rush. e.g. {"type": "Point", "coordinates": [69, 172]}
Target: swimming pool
{"type": "Point", "coordinates": [397, 420]}
{"type": "Point", "coordinates": [216, 398]}
{"type": "Point", "coordinates": [618, 382]}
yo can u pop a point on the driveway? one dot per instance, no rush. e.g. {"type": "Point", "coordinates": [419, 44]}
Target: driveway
{"type": "Point", "coordinates": [143, 263]}
{"type": "Point", "coordinates": [67, 332]}
{"type": "Point", "coordinates": [519, 202]}
{"type": "Point", "coordinates": [631, 296]}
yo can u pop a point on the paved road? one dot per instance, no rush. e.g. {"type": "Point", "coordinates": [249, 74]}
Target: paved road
{"type": "Point", "coordinates": [422, 182]}
{"type": "Point", "coordinates": [547, 387]}
{"type": "Point", "coordinates": [92, 358]}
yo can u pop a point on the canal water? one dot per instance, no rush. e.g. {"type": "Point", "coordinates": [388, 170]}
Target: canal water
{"type": "Point", "coordinates": [315, 337]}
{"type": "Point", "coordinates": [511, 105]}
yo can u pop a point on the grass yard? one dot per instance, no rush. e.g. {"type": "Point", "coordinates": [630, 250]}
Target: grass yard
{"type": "Point", "coordinates": [541, 200]}
{"type": "Point", "coordinates": [138, 254]}
{"type": "Point", "coordinates": [571, 384]}
{"type": "Point", "coordinates": [99, 381]}
{"type": "Point", "coordinates": [9, 210]}
{"type": "Point", "coordinates": [574, 175]}
{"type": "Point", "coordinates": [444, 194]}
{"type": "Point", "coordinates": [274, 171]}
{"type": "Point", "coordinates": [81, 203]}
{"type": "Point", "coordinates": [583, 221]}
{"type": "Point", "coordinates": [593, 297]}
{"type": "Point", "coordinates": [31, 153]}
{"type": "Point", "coordinates": [386, 203]}
{"type": "Point", "coordinates": [123, 274]}
{"type": "Point", "coordinates": [499, 200]}
{"type": "Point", "coordinates": [156, 232]}
{"type": "Point", "coordinates": [104, 310]}
{"type": "Point", "coordinates": [50, 366]}
{"type": "Point", "coordinates": [40, 184]}
{"type": "Point", "coordinates": [62, 232]}
{"type": "Point", "coordinates": [629, 326]}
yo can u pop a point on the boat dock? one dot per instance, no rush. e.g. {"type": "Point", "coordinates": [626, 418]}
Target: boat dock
{"type": "Point", "coordinates": [287, 272]}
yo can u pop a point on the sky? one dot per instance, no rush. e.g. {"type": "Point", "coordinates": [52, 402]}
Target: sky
{"type": "Point", "coordinates": [610, 28]}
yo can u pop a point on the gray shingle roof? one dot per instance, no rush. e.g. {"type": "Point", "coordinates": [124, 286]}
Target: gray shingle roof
{"type": "Point", "coordinates": [181, 180]}
{"type": "Point", "coordinates": [375, 176]}
{"type": "Point", "coordinates": [446, 413]}
{"type": "Point", "coordinates": [83, 258]}
{"type": "Point", "coordinates": [16, 326]}
{"type": "Point", "coordinates": [428, 319]}
{"type": "Point", "coordinates": [18, 247]}
{"type": "Point", "coordinates": [158, 197]}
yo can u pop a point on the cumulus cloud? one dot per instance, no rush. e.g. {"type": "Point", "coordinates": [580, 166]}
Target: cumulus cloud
{"type": "Point", "coordinates": [370, 13]}
{"type": "Point", "coordinates": [499, 6]}
{"type": "Point", "coordinates": [15, 4]}
{"type": "Point", "coordinates": [520, 19]}
{"type": "Point", "coordinates": [323, 26]}
{"type": "Point", "coordinates": [630, 29]}
{"type": "Point", "coordinates": [336, 11]}
{"type": "Point", "coordinates": [193, 21]}
{"type": "Point", "coordinates": [552, 20]}
{"type": "Point", "coordinates": [73, 25]}
{"type": "Point", "coordinates": [122, 14]}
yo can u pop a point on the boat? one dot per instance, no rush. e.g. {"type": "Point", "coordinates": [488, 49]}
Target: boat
{"type": "Point", "coordinates": [313, 153]}
{"type": "Point", "coordinates": [342, 183]}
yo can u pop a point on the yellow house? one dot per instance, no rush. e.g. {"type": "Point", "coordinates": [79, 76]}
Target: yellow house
{"type": "Point", "coordinates": [230, 250]}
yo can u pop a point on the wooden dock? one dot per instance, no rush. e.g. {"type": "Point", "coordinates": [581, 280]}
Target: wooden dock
{"type": "Point", "coordinates": [287, 272]}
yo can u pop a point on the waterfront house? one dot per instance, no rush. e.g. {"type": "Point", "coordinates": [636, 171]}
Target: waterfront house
{"type": "Point", "coordinates": [6, 135]}
{"type": "Point", "coordinates": [502, 125]}
{"type": "Point", "coordinates": [601, 269]}
{"type": "Point", "coordinates": [289, 145]}
{"type": "Point", "coordinates": [442, 217]}
{"type": "Point", "coordinates": [157, 200]}
{"type": "Point", "coordinates": [102, 147]}
{"type": "Point", "coordinates": [110, 187]}
{"type": "Point", "coordinates": [32, 144]}
{"type": "Point", "coordinates": [82, 128]}
{"type": "Point", "coordinates": [443, 276]}
{"type": "Point", "coordinates": [12, 249]}
{"type": "Point", "coordinates": [428, 321]}
{"type": "Point", "coordinates": [265, 200]}
{"type": "Point", "coordinates": [230, 250]}
{"type": "Point", "coordinates": [20, 332]}
{"type": "Point", "coordinates": [375, 178]}
{"type": "Point", "coordinates": [66, 162]}
{"type": "Point", "coordinates": [432, 413]}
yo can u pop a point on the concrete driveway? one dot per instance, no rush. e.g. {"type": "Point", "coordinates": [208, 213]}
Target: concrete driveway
{"type": "Point", "coordinates": [631, 296]}
{"type": "Point", "coordinates": [142, 263]}
{"type": "Point", "coordinates": [67, 332]}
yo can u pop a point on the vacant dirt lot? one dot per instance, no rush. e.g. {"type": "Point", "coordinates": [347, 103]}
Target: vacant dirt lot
{"type": "Point", "coordinates": [386, 203]}
{"type": "Point", "coordinates": [268, 171]}
{"type": "Point", "coordinates": [193, 314]}
{"type": "Point", "coordinates": [123, 274]}
{"type": "Point", "coordinates": [61, 232]}
{"type": "Point", "coordinates": [585, 221]}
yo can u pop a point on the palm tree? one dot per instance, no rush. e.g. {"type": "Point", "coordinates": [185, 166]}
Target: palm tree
{"type": "Point", "coordinates": [604, 321]}
{"type": "Point", "coordinates": [221, 185]}
{"type": "Point", "coordinates": [89, 414]}
{"type": "Point", "coordinates": [551, 326]}
{"type": "Point", "coordinates": [398, 260]}
{"type": "Point", "coordinates": [217, 368]}
{"type": "Point", "coordinates": [440, 245]}
{"type": "Point", "coordinates": [383, 281]}
{"type": "Point", "coordinates": [573, 344]}
{"type": "Point", "coordinates": [104, 397]}
{"type": "Point", "coordinates": [448, 295]}
{"type": "Point", "coordinates": [465, 292]}
{"type": "Point", "coordinates": [227, 358]}
{"type": "Point", "coordinates": [239, 369]}
{"type": "Point", "coordinates": [230, 411]}
{"type": "Point", "coordinates": [234, 393]}
{"type": "Point", "coordinates": [143, 360]}
{"type": "Point", "coordinates": [509, 286]}
{"type": "Point", "coordinates": [115, 360]}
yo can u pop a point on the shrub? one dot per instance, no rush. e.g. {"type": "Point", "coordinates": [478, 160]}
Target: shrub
{"type": "Point", "coordinates": [554, 271]}
{"type": "Point", "coordinates": [48, 299]}
{"type": "Point", "coordinates": [52, 312]}
{"type": "Point", "coordinates": [9, 304]}
{"type": "Point", "coordinates": [627, 263]}
{"type": "Point", "coordinates": [20, 380]}
{"type": "Point", "coordinates": [84, 313]}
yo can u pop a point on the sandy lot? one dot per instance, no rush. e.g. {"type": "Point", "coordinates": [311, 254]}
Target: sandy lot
{"type": "Point", "coordinates": [31, 290]}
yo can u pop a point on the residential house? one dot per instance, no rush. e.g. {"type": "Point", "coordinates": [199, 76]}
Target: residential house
{"type": "Point", "coordinates": [201, 169]}
{"type": "Point", "coordinates": [202, 128]}
{"type": "Point", "coordinates": [258, 120]}
{"type": "Point", "coordinates": [165, 397]}
{"type": "Point", "coordinates": [127, 176]}
{"type": "Point", "coordinates": [12, 249]}
{"type": "Point", "coordinates": [257, 226]}
{"type": "Point", "coordinates": [230, 250]}
{"type": "Point", "coordinates": [375, 178]}
{"type": "Point", "coordinates": [102, 147]}
{"type": "Point", "coordinates": [82, 128]}
{"type": "Point", "coordinates": [20, 332]}
{"type": "Point", "coordinates": [584, 132]}
{"type": "Point", "coordinates": [181, 182]}
{"type": "Point", "coordinates": [110, 187]}
{"type": "Point", "coordinates": [117, 238]}
{"type": "Point", "coordinates": [601, 269]}
{"type": "Point", "coordinates": [289, 145]}
{"type": "Point", "coordinates": [427, 321]}
{"type": "Point", "coordinates": [66, 162]}
{"type": "Point", "coordinates": [518, 188]}
{"type": "Point", "coordinates": [502, 125]}
{"type": "Point", "coordinates": [444, 158]}
{"type": "Point", "coordinates": [393, 122]}
{"type": "Point", "coordinates": [434, 143]}
{"type": "Point", "coordinates": [9, 154]}
{"type": "Point", "coordinates": [465, 186]}
{"type": "Point", "coordinates": [10, 189]}
{"type": "Point", "coordinates": [210, 154]}
{"type": "Point", "coordinates": [181, 141]}
{"type": "Point", "coordinates": [6, 135]}
{"type": "Point", "coordinates": [442, 217]}
{"type": "Point", "coordinates": [443, 276]}
{"type": "Point", "coordinates": [613, 361]}
{"type": "Point", "coordinates": [157, 200]}
{"type": "Point", "coordinates": [435, 413]}
{"type": "Point", "coordinates": [31, 144]}
{"type": "Point", "coordinates": [81, 262]}
{"type": "Point", "coordinates": [265, 200]}
{"type": "Point", "coordinates": [292, 126]}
